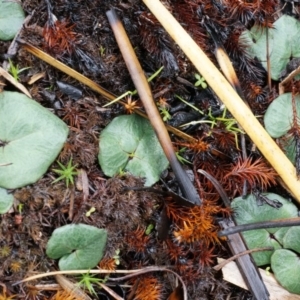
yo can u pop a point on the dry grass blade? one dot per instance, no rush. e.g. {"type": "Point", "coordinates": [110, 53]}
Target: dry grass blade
{"type": "Point", "coordinates": [71, 288]}
{"type": "Point", "coordinates": [67, 70]}
{"type": "Point", "coordinates": [110, 291]}
{"type": "Point", "coordinates": [17, 84]}
{"type": "Point", "coordinates": [91, 84]}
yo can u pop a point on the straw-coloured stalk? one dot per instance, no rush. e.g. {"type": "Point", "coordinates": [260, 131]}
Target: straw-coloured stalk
{"type": "Point", "coordinates": [91, 84]}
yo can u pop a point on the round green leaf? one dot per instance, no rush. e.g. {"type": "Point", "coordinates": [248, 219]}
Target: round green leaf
{"type": "Point", "coordinates": [6, 200]}
{"type": "Point", "coordinates": [31, 137]}
{"type": "Point", "coordinates": [282, 46]}
{"type": "Point", "coordinates": [11, 19]}
{"type": "Point", "coordinates": [247, 211]}
{"type": "Point", "coordinates": [79, 246]}
{"type": "Point", "coordinates": [258, 239]}
{"type": "Point", "coordinates": [289, 147]}
{"type": "Point", "coordinates": [291, 239]}
{"type": "Point", "coordinates": [286, 267]}
{"type": "Point", "coordinates": [279, 115]}
{"type": "Point", "coordinates": [130, 143]}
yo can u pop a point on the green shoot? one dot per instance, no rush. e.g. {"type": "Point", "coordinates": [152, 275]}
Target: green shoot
{"type": "Point", "coordinates": [15, 71]}
{"type": "Point", "coordinates": [102, 51]}
{"type": "Point", "coordinates": [119, 98]}
{"type": "Point", "coordinates": [131, 93]}
{"type": "Point", "coordinates": [66, 173]}
{"type": "Point", "coordinates": [165, 113]}
{"type": "Point", "coordinates": [87, 280]}
{"type": "Point", "coordinates": [190, 105]}
{"type": "Point", "coordinates": [116, 257]}
{"type": "Point", "coordinates": [181, 158]}
{"type": "Point", "coordinates": [90, 211]}
{"type": "Point", "coordinates": [149, 229]}
{"type": "Point", "coordinates": [122, 172]}
{"type": "Point", "coordinates": [200, 81]}
{"type": "Point", "coordinates": [155, 74]}
{"type": "Point", "coordinates": [20, 208]}
{"type": "Point", "coordinates": [50, 88]}
{"type": "Point", "coordinates": [230, 124]}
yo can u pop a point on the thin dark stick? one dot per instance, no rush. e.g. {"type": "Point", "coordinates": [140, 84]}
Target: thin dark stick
{"type": "Point", "coordinates": [142, 86]}
{"type": "Point", "coordinates": [260, 225]}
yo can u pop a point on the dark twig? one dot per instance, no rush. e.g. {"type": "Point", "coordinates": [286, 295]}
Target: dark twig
{"type": "Point", "coordinates": [140, 81]}
{"type": "Point", "coordinates": [260, 225]}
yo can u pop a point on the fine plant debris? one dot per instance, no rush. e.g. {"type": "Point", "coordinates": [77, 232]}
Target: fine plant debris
{"type": "Point", "coordinates": [120, 166]}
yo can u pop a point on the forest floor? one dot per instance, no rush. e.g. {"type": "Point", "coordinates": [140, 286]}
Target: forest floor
{"type": "Point", "coordinates": [78, 34]}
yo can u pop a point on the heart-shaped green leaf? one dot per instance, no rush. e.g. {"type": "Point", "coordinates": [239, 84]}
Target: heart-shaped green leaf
{"type": "Point", "coordinates": [6, 201]}
{"type": "Point", "coordinates": [282, 46]}
{"type": "Point", "coordinates": [79, 246]}
{"type": "Point", "coordinates": [286, 267]}
{"type": "Point", "coordinates": [278, 118]}
{"type": "Point", "coordinates": [289, 148]}
{"type": "Point", "coordinates": [247, 211]}
{"type": "Point", "coordinates": [130, 143]}
{"type": "Point", "coordinates": [291, 239]}
{"type": "Point", "coordinates": [31, 137]}
{"type": "Point", "coordinates": [11, 19]}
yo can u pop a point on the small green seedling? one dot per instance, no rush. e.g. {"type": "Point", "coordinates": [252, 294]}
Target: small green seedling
{"type": "Point", "coordinates": [87, 280]}
{"type": "Point", "coordinates": [66, 173]}
{"type": "Point", "coordinates": [200, 81]}
{"type": "Point", "coordinates": [181, 158]}
{"type": "Point", "coordinates": [190, 105]}
{"type": "Point", "coordinates": [230, 124]}
{"type": "Point", "coordinates": [90, 211]}
{"type": "Point", "coordinates": [149, 229]}
{"type": "Point", "coordinates": [15, 71]}
{"type": "Point", "coordinates": [102, 51]}
{"type": "Point", "coordinates": [50, 88]}
{"type": "Point", "coordinates": [165, 113]}
{"type": "Point", "coordinates": [131, 93]}
{"type": "Point", "coordinates": [20, 208]}
{"type": "Point", "coordinates": [116, 257]}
